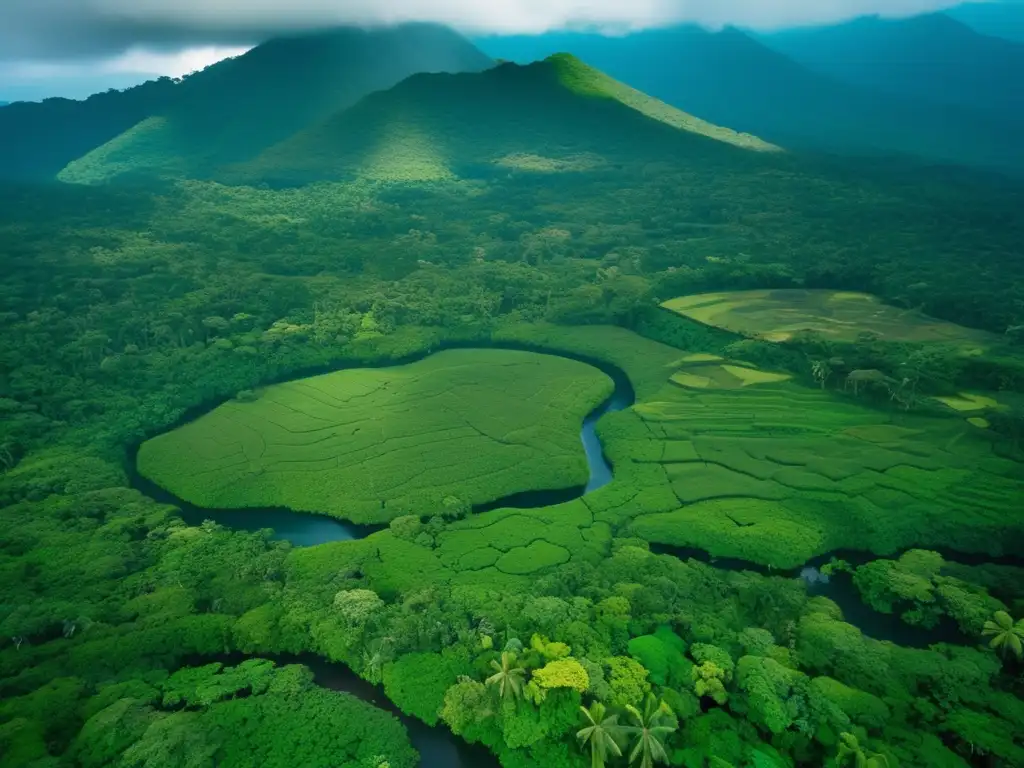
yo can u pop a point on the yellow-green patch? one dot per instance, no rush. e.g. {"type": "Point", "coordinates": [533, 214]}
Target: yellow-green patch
{"type": "Point", "coordinates": [775, 315]}
{"type": "Point", "coordinates": [969, 401]}
{"type": "Point", "coordinates": [754, 376]}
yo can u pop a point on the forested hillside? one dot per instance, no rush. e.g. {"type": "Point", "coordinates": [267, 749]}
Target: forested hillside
{"type": "Point", "coordinates": [558, 116]}
{"type": "Point", "coordinates": [233, 110]}
{"type": "Point", "coordinates": [731, 79]}
{"type": "Point", "coordinates": [37, 139]}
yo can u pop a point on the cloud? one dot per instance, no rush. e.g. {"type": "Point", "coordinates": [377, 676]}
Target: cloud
{"type": "Point", "coordinates": [77, 29]}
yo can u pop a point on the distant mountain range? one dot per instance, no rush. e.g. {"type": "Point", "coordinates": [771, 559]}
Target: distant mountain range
{"type": "Point", "coordinates": [419, 101]}
{"type": "Point", "coordinates": [235, 109]}
{"type": "Point", "coordinates": [1002, 19]}
{"type": "Point", "coordinates": [555, 115]}
{"type": "Point", "coordinates": [930, 58]}
{"type": "Point", "coordinates": [729, 78]}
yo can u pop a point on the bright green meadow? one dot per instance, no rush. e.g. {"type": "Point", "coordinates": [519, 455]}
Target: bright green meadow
{"type": "Point", "coordinates": [776, 315]}
{"type": "Point", "coordinates": [369, 445]}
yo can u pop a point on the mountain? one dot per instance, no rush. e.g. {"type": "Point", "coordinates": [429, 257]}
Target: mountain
{"type": "Point", "coordinates": [38, 139]}
{"type": "Point", "coordinates": [234, 109]}
{"type": "Point", "coordinates": [931, 57]}
{"type": "Point", "coordinates": [557, 115]}
{"type": "Point", "coordinates": [1004, 19]}
{"type": "Point", "coordinates": [76, 86]}
{"type": "Point", "coordinates": [731, 79]}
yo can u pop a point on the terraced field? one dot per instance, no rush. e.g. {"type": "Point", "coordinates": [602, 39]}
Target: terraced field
{"type": "Point", "coordinates": [369, 445]}
{"type": "Point", "coordinates": [775, 315]}
{"type": "Point", "coordinates": [742, 463]}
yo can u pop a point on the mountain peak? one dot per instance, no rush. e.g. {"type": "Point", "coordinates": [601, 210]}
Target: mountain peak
{"type": "Point", "coordinates": [558, 115]}
{"type": "Point", "coordinates": [233, 110]}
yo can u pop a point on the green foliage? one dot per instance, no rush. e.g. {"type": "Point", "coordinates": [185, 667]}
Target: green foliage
{"type": "Point", "coordinates": [270, 724]}
{"type": "Point", "coordinates": [125, 309]}
{"type": "Point", "coordinates": [649, 727]}
{"type": "Point", "coordinates": [600, 734]}
{"type": "Point", "coordinates": [627, 680]}
{"type": "Point", "coordinates": [662, 655]}
{"type": "Point", "coordinates": [562, 673]}
{"type": "Point", "coordinates": [1007, 636]}
{"type": "Point", "coordinates": [916, 585]}
{"type": "Point", "coordinates": [507, 677]}
{"type": "Point", "coordinates": [416, 682]}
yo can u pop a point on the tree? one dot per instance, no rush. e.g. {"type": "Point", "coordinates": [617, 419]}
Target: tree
{"type": "Point", "coordinates": [600, 733]}
{"type": "Point", "coordinates": [377, 654]}
{"type": "Point", "coordinates": [1005, 634]}
{"type": "Point", "coordinates": [650, 728]}
{"type": "Point", "coordinates": [507, 676]}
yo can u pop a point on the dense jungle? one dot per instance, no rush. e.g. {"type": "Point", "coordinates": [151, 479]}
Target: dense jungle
{"type": "Point", "coordinates": [507, 416]}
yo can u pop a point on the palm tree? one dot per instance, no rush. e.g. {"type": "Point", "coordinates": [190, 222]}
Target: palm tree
{"type": "Point", "coordinates": [507, 676]}
{"type": "Point", "coordinates": [1005, 634]}
{"type": "Point", "coordinates": [601, 733]}
{"type": "Point", "coordinates": [377, 654]}
{"type": "Point", "coordinates": [650, 727]}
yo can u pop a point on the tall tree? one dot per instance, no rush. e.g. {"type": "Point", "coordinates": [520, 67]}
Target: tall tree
{"type": "Point", "coordinates": [600, 734]}
{"type": "Point", "coordinates": [1006, 635]}
{"type": "Point", "coordinates": [650, 727]}
{"type": "Point", "coordinates": [507, 676]}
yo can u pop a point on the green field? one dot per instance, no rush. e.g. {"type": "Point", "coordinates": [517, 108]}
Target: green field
{"type": "Point", "coordinates": [744, 465]}
{"type": "Point", "coordinates": [369, 445]}
{"type": "Point", "coordinates": [776, 315]}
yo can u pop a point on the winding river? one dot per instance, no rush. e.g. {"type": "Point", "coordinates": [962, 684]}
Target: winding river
{"type": "Point", "coordinates": [437, 746]}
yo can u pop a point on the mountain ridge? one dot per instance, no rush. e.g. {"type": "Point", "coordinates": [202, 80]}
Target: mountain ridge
{"type": "Point", "coordinates": [931, 57]}
{"type": "Point", "coordinates": [732, 79]}
{"type": "Point", "coordinates": [556, 115]}
{"type": "Point", "coordinates": [233, 110]}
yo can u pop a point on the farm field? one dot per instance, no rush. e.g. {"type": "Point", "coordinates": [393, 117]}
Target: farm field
{"type": "Point", "coordinates": [776, 315]}
{"type": "Point", "coordinates": [369, 445]}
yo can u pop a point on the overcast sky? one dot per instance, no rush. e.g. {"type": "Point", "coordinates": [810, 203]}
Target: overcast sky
{"type": "Point", "coordinates": [45, 41]}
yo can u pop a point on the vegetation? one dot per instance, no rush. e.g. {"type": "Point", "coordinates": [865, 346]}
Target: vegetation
{"type": "Point", "coordinates": [130, 638]}
{"type": "Point", "coordinates": [235, 109]}
{"type": "Point", "coordinates": [553, 116]}
{"type": "Point", "coordinates": [732, 77]}
{"type": "Point", "coordinates": [461, 428]}
{"type": "Point", "coordinates": [842, 316]}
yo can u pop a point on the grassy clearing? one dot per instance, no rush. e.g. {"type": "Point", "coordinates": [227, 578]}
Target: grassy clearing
{"type": "Point", "coordinates": [969, 401]}
{"type": "Point", "coordinates": [778, 473]}
{"type": "Point", "coordinates": [369, 445]}
{"type": "Point", "coordinates": [775, 315]}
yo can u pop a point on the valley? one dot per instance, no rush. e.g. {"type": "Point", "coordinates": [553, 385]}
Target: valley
{"type": "Point", "coordinates": [369, 402]}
